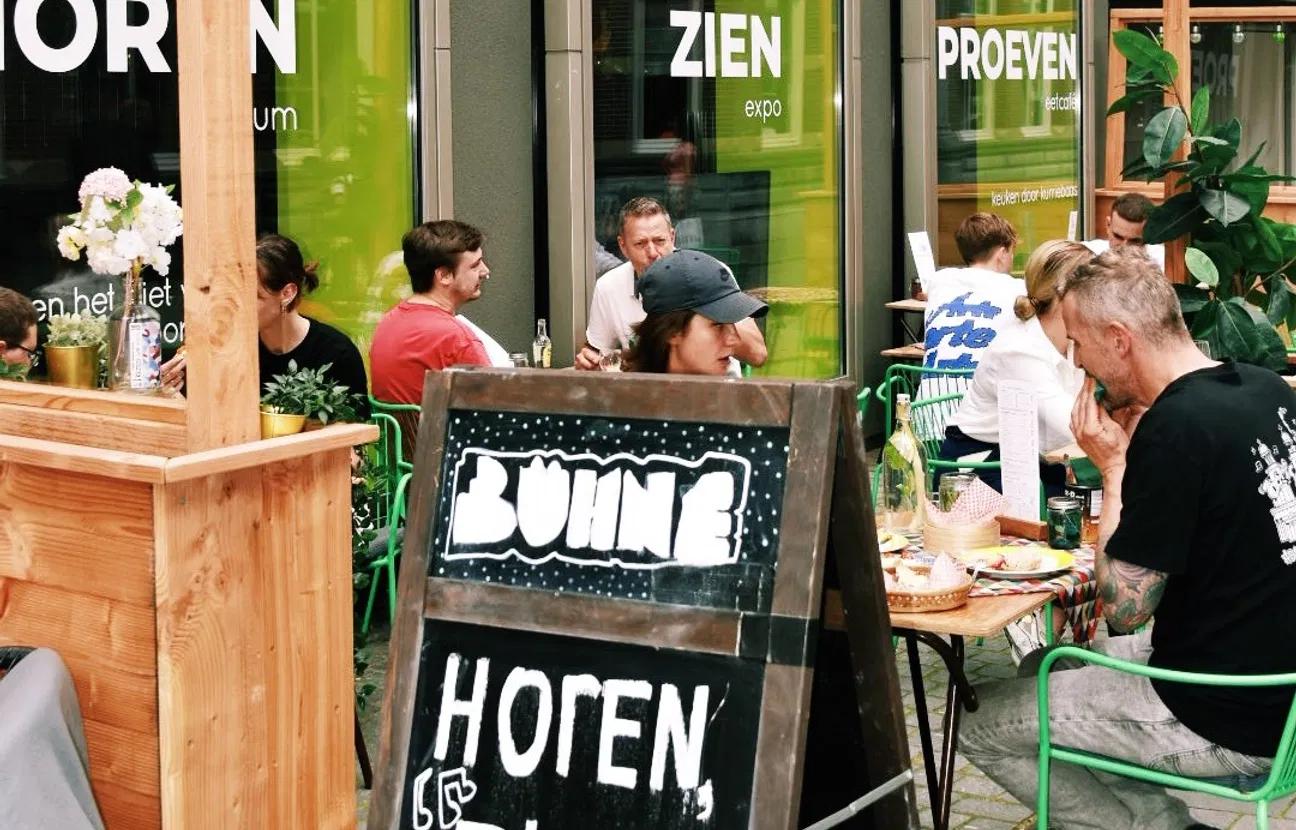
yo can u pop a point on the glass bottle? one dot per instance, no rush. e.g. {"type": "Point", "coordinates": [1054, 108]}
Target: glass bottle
{"type": "Point", "coordinates": [134, 339]}
{"type": "Point", "coordinates": [903, 500]}
{"type": "Point", "coordinates": [542, 346]}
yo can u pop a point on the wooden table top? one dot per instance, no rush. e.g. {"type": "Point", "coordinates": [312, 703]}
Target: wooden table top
{"type": "Point", "coordinates": [908, 305]}
{"type": "Point", "coordinates": [913, 351]}
{"type": "Point", "coordinates": [980, 617]}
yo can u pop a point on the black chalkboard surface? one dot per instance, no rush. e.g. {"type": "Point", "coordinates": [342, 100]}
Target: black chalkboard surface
{"type": "Point", "coordinates": [609, 605]}
{"type": "Point", "coordinates": [533, 729]}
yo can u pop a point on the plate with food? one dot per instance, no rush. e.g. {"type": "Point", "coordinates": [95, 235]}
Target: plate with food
{"type": "Point", "coordinates": [889, 542]}
{"type": "Point", "coordinates": [1017, 561]}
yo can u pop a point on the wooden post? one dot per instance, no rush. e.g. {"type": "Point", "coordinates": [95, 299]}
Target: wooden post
{"type": "Point", "coordinates": [1176, 43]}
{"type": "Point", "coordinates": [219, 230]}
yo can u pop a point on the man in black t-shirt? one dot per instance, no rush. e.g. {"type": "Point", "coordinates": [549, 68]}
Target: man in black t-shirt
{"type": "Point", "coordinates": [1198, 526]}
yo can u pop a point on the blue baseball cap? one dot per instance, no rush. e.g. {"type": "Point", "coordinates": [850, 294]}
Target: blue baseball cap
{"type": "Point", "coordinates": [698, 282]}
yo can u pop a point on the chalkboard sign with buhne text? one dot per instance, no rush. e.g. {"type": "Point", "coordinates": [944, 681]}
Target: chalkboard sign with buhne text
{"type": "Point", "coordinates": [609, 604]}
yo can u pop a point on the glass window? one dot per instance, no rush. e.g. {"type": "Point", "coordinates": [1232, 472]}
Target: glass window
{"type": "Point", "coordinates": [1251, 71]}
{"type": "Point", "coordinates": [1007, 95]}
{"type": "Point", "coordinates": [728, 114]}
{"type": "Point", "coordinates": [333, 139]}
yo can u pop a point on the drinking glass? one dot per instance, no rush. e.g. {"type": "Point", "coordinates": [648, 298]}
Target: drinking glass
{"type": "Point", "coordinates": [1204, 347]}
{"type": "Point", "coordinates": [519, 360]}
{"type": "Point", "coordinates": [610, 360]}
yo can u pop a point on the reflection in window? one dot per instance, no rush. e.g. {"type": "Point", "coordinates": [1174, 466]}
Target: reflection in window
{"type": "Point", "coordinates": [742, 147]}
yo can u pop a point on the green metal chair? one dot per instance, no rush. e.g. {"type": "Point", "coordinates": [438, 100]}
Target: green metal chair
{"type": "Point", "coordinates": [1280, 781]}
{"type": "Point", "coordinates": [929, 418]}
{"type": "Point", "coordinates": [906, 378]}
{"type": "Point", "coordinates": [387, 562]}
{"type": "Point", "coordinates": [862, 402]}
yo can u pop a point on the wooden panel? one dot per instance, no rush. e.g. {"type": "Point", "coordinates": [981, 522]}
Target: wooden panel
{"type": "Point", "coordinates": [155, 408]}
{"type": "Point", "coordinates": [123, 756]}
{"type": "Point", "coordinates": [254, 639]}
{"type": "Point", "coordinates": [53, 455]}
{"type": "Point", "coordinates": [129, 810]}
{"type": "Point", "coordinates": [220, 228]}
{"type": "Point", "coordinates": [780, 745]}
{"type": "Point", "coordinates": [106, 550]}
{"type": "Point", "coordinates": [91, 430]}
{"type": "Point", "coordinates": [228, 459]}
{"type": "Point", "coordinates": [574, 615]}
{"type": "Point", "coordinates": [1175, 34]}
{"type": "Point", "coordinates": [677, 397]}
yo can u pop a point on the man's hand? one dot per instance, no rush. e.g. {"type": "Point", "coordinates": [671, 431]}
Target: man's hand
{"type": "Point", "coordinates": [587, 359]}
{"type": "Point", "coordinates": [1097, 433]}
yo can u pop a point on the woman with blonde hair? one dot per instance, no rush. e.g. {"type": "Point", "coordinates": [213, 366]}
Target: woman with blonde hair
{"type": "Point", "coordinates": [1033, 351]}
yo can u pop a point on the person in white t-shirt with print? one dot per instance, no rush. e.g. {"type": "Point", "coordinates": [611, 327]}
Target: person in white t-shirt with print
{"type": "Point", "coordinates": [1031, 349]}
{"type": "Point", "coordinates": [1125, 226]}
{"type": "Point", "coordinates": [646, 236]}
{"type": "Point", "coordinates": [966, 307]}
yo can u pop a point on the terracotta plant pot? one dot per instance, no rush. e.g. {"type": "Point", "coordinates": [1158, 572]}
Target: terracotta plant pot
{"type": "Point", "coordinates": [275, 424]}
{"type": "Point", "coordinates": [73, 365]}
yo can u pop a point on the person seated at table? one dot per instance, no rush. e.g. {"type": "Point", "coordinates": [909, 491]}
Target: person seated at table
{"type": "Point", "coordinates": [17, 330]}
{"type": "Point", "coordinates": [447, 270]}
{"type": "Point", "coordinates": [646, 235]}
{"type": "Point", "coordinates": [286, 335]}
{"type": "Point", "coordinates": [1125, 226]}
{"type": "Point", "coordinates": [1197, 527]}
{"type": "Point", "coordinates": [693, 306]}
{"type": "Point", "coordinates": [967, 307]}
{"type": "Point", "coordinates": [1031, 350]}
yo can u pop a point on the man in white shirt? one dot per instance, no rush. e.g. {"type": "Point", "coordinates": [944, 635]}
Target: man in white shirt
{"type": "Point", "coordinates": [1125, 226]}
{"type": "Point", "coordinates": [646, 236]}
{"type": "Point", "coordinates": [967, 307]}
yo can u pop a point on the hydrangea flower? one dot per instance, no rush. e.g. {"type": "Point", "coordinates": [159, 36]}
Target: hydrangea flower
{"type": "Point", "coordinates": [122, 226]}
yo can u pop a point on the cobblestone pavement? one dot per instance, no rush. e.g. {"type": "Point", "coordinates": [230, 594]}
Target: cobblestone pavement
{"type": "Point", "coordinates": [978, 803]}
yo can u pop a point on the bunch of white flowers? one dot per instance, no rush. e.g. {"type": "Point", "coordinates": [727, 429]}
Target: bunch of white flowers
{"type": "Point", "coordinates": [122, 225]}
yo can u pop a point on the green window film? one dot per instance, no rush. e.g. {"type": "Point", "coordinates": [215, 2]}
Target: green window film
{"type": "Point", "coordinates": [728, 113]}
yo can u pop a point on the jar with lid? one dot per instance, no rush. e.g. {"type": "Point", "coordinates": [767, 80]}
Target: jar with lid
{"type": "Point", "coordinates": [1064, 522]}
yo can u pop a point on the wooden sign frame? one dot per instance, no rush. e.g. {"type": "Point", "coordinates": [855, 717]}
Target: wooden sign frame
{"type": "Point", "coordinates": [815, 415]}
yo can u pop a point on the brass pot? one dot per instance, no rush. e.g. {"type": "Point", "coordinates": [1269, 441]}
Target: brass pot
{"type": "Point", "coordinates": [275, 424]}
{"type": "Point", "coordinates": [73, 365]}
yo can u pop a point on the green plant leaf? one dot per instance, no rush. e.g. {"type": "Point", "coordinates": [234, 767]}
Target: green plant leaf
{"type": "Point", "coordinates": [1224, 206]}
{"type": "Point", "coordinates": [1205, 325]}
{"type": "Point", "coordinates": [1209, 139]}
{"type": "Point", "coordinates": [1226, 258]}
{"type": "Point", "coordinates": [1181, 214]}
{"type": "Point", "coordinates": [1201, 267]}
{"type": "Point", "coordinates": [1264, 346]}
{"type": "Point", "coordinates": [1252, 184]}
{"type": "Point", "coordinates": [1251, 161]}
{"type": "Point", "coordinates": [1144, 54]}
{"type": "Point", "coordinates": [1191, 298]}
{"type": "Point", "coordinates": [1218, 156]}
{"type": "Point", "coordinates": [1268, 243]}
{"type": "Point", "coordinates": [1132, 97]}
{"type": "Point", "coordinates": [1280, 300]}
{"type": "Point", "coordinates": [1200, 109]}
{"type": "Point", "coordinates": [1138, 169]}
{"type": "Point", "coordinates": [1164, 134]}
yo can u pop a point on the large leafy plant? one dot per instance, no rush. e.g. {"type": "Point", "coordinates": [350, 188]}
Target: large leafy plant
{"type": "Point", "coordinates": [309, 392]}
{"type": "Point", "coordinates": [1242, 262]}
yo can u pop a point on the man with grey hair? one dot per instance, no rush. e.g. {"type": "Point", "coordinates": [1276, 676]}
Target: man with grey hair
{"type": "Point", "coordinates": [1196, 528]}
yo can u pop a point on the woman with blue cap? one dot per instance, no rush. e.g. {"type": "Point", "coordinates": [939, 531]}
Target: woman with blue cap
{"type": "Point", "coordinates": [693, 303]}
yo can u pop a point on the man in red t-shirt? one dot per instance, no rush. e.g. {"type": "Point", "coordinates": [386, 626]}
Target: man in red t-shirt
{"type": "Point", "coordinates": [446, 270]}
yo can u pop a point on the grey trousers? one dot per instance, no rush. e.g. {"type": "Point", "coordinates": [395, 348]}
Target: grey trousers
{"type": "Point", "coordinates": [44, 778]}
{"type": "Point", "coordinates": [1099, 710]}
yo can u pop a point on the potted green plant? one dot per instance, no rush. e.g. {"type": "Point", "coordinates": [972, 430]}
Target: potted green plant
{"type": "Point", "coordinates": [1242, 262]}
{"type": "Point", "coordinates": [73, 347]}
{"type": "Point", "coordinates": [291, 398]}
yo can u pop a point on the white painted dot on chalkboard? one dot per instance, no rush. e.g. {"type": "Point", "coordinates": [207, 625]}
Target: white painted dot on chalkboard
{"type": "Point", "coordinates": [627, 426]}
{"type": "Point", "coordinates": [778, 475]}
{"type": "Point", "coordinates": [700, 429]}
{"type": "Point", "coordinates": [776, 531]}
{"type": "Point", "coordinates": [786, 448]}
{"type": "Point", "coordinates": [767, 497]}
{"type": "Point", "coordinates": [688, 446]}
{"type": "Point", "coordinates": [767, 462]}
{"type": "Point", "coordinates": [758, 432]}
{"type": "Point", "coordinates": [769, 445]}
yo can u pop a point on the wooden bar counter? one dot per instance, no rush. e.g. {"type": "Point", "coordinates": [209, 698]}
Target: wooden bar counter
{"type": "Point", "coordinates": [203, 604]}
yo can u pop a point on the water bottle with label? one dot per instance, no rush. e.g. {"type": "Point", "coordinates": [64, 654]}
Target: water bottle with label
{"type": "Point", "coordinates": [542, 346]}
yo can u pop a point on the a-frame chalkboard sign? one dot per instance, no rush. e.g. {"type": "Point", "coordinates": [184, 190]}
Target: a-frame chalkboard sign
{"type": "Point", "coordinates": [609, 605]}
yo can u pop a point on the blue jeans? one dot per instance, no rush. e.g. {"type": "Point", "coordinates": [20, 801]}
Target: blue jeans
{"type": "Point", "coordinates": [1100, 710]}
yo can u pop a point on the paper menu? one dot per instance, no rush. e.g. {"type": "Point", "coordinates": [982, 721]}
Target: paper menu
{"type": "Point", "coordinates": [1019, 449]}
{"type": "Point", "coordinates": [1073, 220]}
{"type": "Point", "coordinates": [924, 262]}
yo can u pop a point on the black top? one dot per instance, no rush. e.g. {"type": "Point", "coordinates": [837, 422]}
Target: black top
{"type": "Point", "coordinates": [322, 344]}
{"type": "Point", "coordinates": [1208, 499]}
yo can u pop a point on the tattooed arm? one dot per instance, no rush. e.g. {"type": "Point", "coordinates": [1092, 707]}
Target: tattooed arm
{"type": "Point", "coordinates": [1129, 593]}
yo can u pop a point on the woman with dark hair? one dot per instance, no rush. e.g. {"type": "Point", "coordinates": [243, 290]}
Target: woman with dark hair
{"type": "Point", "coordinates": [692, 303]}
{"type": "Point", "coordinates": [284, 334]}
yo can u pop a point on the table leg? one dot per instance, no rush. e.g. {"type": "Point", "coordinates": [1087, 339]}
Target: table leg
{"type": "Point", "coordinates": [924, 725]}
{"type": "Point", "coordinates": [949, 744]}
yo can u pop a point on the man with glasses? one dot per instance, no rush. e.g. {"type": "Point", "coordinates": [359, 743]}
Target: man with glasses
{"type": "Point", "coordinates": [17, 329]}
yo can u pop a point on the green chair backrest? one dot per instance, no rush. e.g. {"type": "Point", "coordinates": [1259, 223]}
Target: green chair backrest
{"type": "Point", "coordinates": [929, 417]}
{"type": "Point", "coordinates": [1280, 781]}
{"type": "Point", "coordinates": [862, 402]}
{"type": "Point", "coordinates": [905, 378]}
{"type": "Point", "coordinates": [407, 418]}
